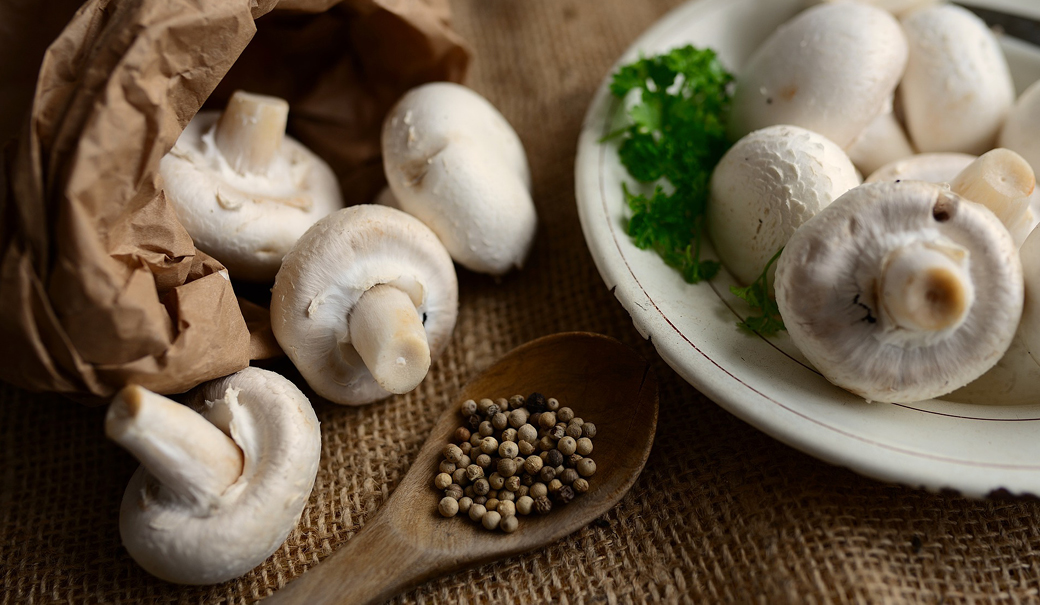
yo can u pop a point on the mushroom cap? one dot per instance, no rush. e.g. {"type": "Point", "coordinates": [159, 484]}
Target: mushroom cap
{"type": "Point", "coordinates": [454, 162]}
{"type": "Point", "coordinates": [324, 275]}
{"type": "Point", "coordinates": [1029, 330]}
{"type": "Point", "coordinates": [882, 142]}
{"type": "Point", "coordinates": [896, 7]}
{"type": "Point", "coordinates": [830, 69]}
{"type": "Point", "coordinates": [765, 187]}
{"type": "Point", "coordinates": [247, 222]}
{"type": "Point", "coordinates": [930, 167]}
{"type": "Point", "coordinates": [1021, 131]}
{"type": "Point", "coordinates": [828, 283]}
{"type": "Point", "coordinates": [957, 88]}
{"type": "Point", "coordinates": [187, 543]}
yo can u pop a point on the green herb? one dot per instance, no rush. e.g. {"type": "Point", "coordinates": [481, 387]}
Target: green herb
{"type": "Point", "coordinates": [768, 321]}
{"type": "Point", "coordinates": [678, 133]}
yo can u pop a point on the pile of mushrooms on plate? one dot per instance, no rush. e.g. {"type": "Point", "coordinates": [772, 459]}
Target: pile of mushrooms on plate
{"type": "Point", "coordinates": [363, 300]}
{"type": "Point", "coordinates": [923, 281]}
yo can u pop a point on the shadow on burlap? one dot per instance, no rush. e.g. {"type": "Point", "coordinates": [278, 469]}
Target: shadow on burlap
{"type": "Point", "coordinates": [721, 513]}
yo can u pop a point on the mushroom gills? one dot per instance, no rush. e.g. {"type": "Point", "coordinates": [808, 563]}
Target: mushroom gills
{"type": "Point", "coordinates": [388, 334]}
{"type": "Point", "coordinates": [190, 456]}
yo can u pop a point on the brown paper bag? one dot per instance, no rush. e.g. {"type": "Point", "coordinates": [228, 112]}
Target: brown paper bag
{"type": "Point", "coordinates": [99, 283]}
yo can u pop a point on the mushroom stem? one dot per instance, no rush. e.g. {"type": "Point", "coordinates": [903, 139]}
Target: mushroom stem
{"type": "Point", "coordinates": [185, 452]}
{"type": "Point", "coordinates": [1002, 181]}
{"type": "Point", "coordinates": [388, 334]}
{"type": "Point", "coordinates": [250, 131]}
{"type": "Point", "coordinates": [926, 287]}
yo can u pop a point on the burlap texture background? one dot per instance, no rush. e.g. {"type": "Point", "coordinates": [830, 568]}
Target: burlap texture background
{"type": "Point", "coordinates": [722, 513]}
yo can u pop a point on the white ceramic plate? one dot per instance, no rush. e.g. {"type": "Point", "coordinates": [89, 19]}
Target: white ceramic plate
{"type": "Point", "coordinates": [973, 449]}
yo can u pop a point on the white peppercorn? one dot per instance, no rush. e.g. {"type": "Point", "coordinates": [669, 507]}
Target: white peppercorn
{"type": "Point", "coordinates": [454, 491]}
{"type": "Point", "coordinates": [533, 464]}
{"type": "Point", "coordinates": [459, 476]}
{"type": "Point", "coordinates": [492, 410]}
{"type": "Point", "coordinates": [573, 431]}
{"type": "Point", "coordinates": [477, 511]}
{"type": "Point", "coordinates": [464, 503]}
{"type": "Point", "coordinates": [492, 504]}
{"type": "Point", "coordinates": [522, 491]}
{"type": "Point", "coordinates": [576, 420]}
{"type": "Point", "coordinates": [506, 495]}
{"type": "Point", "coordinates": [468, 492]}
{"type": "Point", "coordinates": [486, 429]}
{"type": "Point", "coordinates": [462, 434]}
{"type": "Point", "coordinates": [538, 490]}
{"type": "Point", "coordinates": [502, 403]}
{"type": "Point", "coordinates": [572, 460]}
{"type": "Point", "coordinates": [448, 506]}
{"type": "Point", "coordinates": [546, 443]}
{"type": "Point", "coordinates": [527, 432]}
{"type": "Point", "coordinates": [524, 504]}
{"type": "Point", "coordinates": [474, 439]}
{"type": "Point", "coordinates": [568, 476]}
{"type": "Point", "coordinates": [491, 519]}
{"type": "Point", "coordinates": [466, 461]}
{"type": "Point", "coordinates": [518, 418]}
{"type": "Point", "coordinates": [481, 487]}
{"type": "Point", "coordinates": [489, 445]}
{"type": "Point", "coordinates": [447, 467]}
{"type": "Point", "coordinates": [509, 435]}
{"type": "Point", "coordinates": [481, 500]}
{"type": "Point", "coordinates": [554, 486]}
{"type": "Point", "coordinates": [469, 407]}
{"type": "Point", "coordinates": [483, 461]}
{"type": "Point", "coordinates": [508, 450]}
{"type": "Point", "coordinates": [466, 447]}
{"type": "Point", "coordinates": [589, 430]}
{"type": "Point", "coordinates": [547, 420]}
{"type": "Point", "coordinates": [509, 524]}
{"type": "Point", "coordinates": [506, 468]}
{"type": "Point", "coordinates": [586, 467]}
{"type": "Point", "coordinates": [584, 446]}
{"type": "Point", "coordinates": [559, 470]}
{"type": "Point", "coordinates": [506, 508]}
{"type": "Point", "coordinates": [442, 480]}
{"type": "Point", "coordinates": [565, 414]}
{"type": "Point", "coordinates": [526, 448]}
{"type": "Point", "coordinates": [513, 483]}
{"type": "Point", "coordinates": [558, 432]}
{"type": "Point", "coordinates": [516, 401]}
{"type": "Point", "coordinates": [580, 485]}
{"type": "Point", "coordinates": [552, 404]}
{"type": "Point", "coordinates": [567, 446]}
{"type": "Point", "coordinates": [483, 405]}
{"type": "Point", "coordinates": [500, 421]}
{"type": "Point", "coordinates": [547, 474]}
{"type": "Point", "coordinates": [496, 481]}
{"type": "Point", "coordinates": [492, 494]}
{"type": "Point", "coordinates": [452, 453]}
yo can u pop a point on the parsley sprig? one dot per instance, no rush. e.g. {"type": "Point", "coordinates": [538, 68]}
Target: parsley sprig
{"type": "Point", "coordinates": [678, 133]}
{"type": "Point", "coordinates": [758, 298]}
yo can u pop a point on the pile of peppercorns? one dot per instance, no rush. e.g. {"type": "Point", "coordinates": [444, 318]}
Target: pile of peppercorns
{"type": "Point", "coordinates": [514, 457]}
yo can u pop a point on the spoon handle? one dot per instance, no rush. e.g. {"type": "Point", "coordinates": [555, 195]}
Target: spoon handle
{"type": "Point", "coordinates": [371, 567]}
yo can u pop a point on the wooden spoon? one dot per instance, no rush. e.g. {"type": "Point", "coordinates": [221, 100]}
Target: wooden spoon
{"type": "Point", "coordinates": [407, 542]}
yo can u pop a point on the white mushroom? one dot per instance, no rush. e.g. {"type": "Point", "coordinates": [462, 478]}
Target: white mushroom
{"type": "Point", "coordinates": [454, 162]}
{"type": "Point", "coordinates": [901, 291]}
{"type": "Point", "coordinates": [244, 190]}
{"type": "Point", "coordinates": [1003, 182]}
{"type": "Point", "coordinates": [364, 302]}
{"type": "Point", "coordinates": [220, 489]}
{"type": "Point", "coordinates": [1021, 130]}
{"type": "Point", "coordinates": [957, 88]}
{"type": "Point", "coordinates": [931, 167]}
{"type": "Point", "coordinates": [896, 7]}
{"type": "Point", "coordinates": [1029, 331]}
{"type": "Point", "coordinates": [882, 142]}
{"type": "Point", "coordinates": [831, 70]}
{"type": "Point", "coordinates": [765, 187]}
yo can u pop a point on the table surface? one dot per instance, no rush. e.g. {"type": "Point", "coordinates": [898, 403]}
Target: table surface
{"type": "Point", "coordinates": [721, 513]}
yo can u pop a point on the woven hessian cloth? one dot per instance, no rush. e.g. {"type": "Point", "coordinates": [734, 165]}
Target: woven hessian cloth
{"type": "Point", "coordinates": [722, 512]}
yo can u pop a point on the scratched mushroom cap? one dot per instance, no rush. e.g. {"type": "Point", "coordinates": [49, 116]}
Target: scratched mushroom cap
{"type": "Point", "coordinates": [901, 292]}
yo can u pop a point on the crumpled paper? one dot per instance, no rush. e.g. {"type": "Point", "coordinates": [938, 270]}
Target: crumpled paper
{"type": "Point", "coordinates": [100, 285]}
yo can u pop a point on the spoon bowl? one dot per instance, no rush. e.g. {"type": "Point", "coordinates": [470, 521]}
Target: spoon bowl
{"type": "Point", "coordinates": [407, 542]}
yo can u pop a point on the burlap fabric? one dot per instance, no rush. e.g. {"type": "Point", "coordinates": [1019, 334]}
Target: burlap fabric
{"type": "Point", "coordinates": [722, 513]}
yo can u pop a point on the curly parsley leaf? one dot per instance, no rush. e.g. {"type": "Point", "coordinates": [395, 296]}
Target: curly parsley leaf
{"type": "Point", "coordinates": [768, 321]}
{"type": "Point", "coordinates": [678, 133]}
